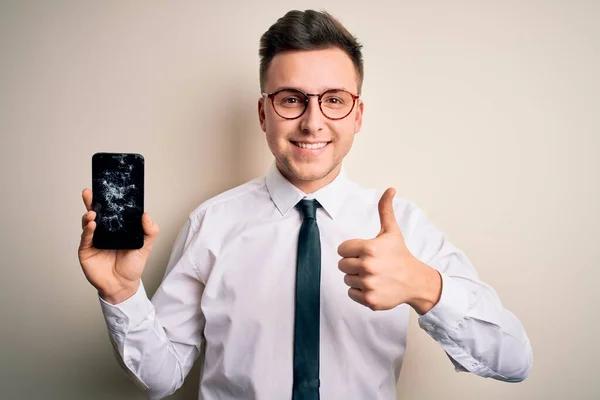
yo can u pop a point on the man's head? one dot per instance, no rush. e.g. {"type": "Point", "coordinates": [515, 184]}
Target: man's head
{"type": "Point", "coordinates": [310, 53]}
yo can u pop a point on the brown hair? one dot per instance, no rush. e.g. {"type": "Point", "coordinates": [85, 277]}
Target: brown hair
{"type": "Point", "coordinates": [308, 30]}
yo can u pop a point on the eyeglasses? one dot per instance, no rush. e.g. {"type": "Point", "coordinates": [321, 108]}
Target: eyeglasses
{"type": "Point", "coordinates": [335, 104]}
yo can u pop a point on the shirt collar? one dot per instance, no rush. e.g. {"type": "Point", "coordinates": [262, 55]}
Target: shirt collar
{"type": "Point", "coordinates": [285, 195]}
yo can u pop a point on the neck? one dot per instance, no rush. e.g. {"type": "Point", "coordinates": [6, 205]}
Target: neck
{"type": "Point", "coordinates": [310, 186]}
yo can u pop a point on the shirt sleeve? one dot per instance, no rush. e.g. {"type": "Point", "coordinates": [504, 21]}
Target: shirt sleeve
{"type": "Point", "coordinates": [470, 323]}
{"type": "Point", "coordinates": [156, 342]}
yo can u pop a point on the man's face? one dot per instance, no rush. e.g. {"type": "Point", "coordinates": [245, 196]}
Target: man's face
{"type": "Point", "coordinates": [312, 71]}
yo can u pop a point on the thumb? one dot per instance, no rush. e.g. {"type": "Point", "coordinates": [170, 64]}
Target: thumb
{"type": "Point", "coordinates": [386, 213]}
{"type": "Point", "coordinates": [150, 231]}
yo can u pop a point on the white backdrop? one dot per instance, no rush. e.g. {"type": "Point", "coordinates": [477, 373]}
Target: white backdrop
{"type": "Point", "coordinates": [485, 113]}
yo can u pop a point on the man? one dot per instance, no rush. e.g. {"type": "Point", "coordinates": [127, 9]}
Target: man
{"type": "Point", "coordinates": [299, 284]}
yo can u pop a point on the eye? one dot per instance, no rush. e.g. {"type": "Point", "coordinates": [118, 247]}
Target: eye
{"type": "Point", "coordinates": [334, 100]}
{"type": "Point", "coordinates": [291, 100]}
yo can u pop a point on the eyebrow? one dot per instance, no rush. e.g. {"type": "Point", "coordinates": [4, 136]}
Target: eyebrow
{"type": "Point", "coordinates": [306, 91]}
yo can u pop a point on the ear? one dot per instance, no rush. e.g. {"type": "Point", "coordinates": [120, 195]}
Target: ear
{"type": "Point", "coordinates": [261, 114]}
{"type": "Point", "coordinates": [358, 117]}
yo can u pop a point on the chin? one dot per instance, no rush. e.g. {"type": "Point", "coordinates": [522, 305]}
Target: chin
{"type": "Point", "coordinates": [309, 176]}
{"type": "Point", "coordinates": [309, 173]}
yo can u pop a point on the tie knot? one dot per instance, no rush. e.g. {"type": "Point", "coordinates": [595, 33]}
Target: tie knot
{"type": "Point", "coordinates": [308, 208]}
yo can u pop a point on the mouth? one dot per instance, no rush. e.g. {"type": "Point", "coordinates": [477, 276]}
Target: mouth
{"type": "Point", "coordinates": [310, 145]}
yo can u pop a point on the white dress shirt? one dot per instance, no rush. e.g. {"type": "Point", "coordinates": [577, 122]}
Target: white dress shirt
{"type": "Point", "coordinates": [229, 287]}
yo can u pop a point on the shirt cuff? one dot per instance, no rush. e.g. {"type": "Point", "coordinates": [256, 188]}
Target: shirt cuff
{"type": "Point", "coordinates": [444, 318]}
{"type": "Point", "coordinates": [129, 313]}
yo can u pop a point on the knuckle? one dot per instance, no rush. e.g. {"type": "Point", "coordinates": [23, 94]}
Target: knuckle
{"type": "Point", "coordinates": [369, 298]}
{"type": "Point", "coordinates": [368, 284]}
{"type": "Point", "coordinates": [368, 266]}
{"type": "Point", "coordinates": [370, 248]}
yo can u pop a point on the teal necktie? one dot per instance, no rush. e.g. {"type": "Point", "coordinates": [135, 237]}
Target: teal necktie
{"type": "Point", "coordinates": [307, 313]}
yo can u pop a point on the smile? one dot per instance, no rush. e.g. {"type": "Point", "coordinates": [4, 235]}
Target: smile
{"type": "Point", "coordinates": [311, 146]}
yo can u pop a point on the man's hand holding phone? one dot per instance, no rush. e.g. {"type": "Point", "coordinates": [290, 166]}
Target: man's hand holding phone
{"type": "Point", "coordinates": [116, 274]}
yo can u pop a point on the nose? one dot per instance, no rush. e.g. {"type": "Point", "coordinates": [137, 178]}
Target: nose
{"type": "Point", "coordinates": [313, 119]}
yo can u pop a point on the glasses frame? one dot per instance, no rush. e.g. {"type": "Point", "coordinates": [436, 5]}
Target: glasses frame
{"type": "Point", "coordinates": [307, 100]}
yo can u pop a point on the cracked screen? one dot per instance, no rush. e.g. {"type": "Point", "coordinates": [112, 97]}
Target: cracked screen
{"type": "Point", "coordinates": [118, 200]}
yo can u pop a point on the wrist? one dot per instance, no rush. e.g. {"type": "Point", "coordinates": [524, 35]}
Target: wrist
{"type": "Point", "coordinates": [118, 296]}
{"type": "Point", "coordinates": [427, 290]}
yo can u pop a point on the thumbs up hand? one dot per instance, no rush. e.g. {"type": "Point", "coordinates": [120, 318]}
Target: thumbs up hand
{"type": "Point", "coordinates": [382, 273]}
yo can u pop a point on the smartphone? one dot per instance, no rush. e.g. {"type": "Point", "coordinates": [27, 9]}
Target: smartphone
{"type": "Point", "coordinates": [118, 200]}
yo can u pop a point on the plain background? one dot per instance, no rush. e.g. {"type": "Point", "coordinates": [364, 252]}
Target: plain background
{"type": "Point", "coordinates": [485, 113]}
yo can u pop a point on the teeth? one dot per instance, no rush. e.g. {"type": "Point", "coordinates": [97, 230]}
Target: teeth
{"type": "Point", "coordinates": [311, 146]}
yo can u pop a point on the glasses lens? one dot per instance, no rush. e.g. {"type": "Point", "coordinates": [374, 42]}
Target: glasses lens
{"type": "Point", "coordinates": [289, 103]}
{"type": "Point", "coordinates": [337, 103]}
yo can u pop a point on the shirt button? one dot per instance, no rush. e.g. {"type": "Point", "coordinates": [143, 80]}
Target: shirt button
{"type": "Point", "coordinates": [120, 320]}
{"type": "Point", "coordinates": [429, 328]}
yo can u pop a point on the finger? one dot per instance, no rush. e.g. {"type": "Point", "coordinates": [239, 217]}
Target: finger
{"type": "Point", "coordinates": [357, 295]}
{"type": "Point", "coordinates": [150, 231]}
{"type": "Point", "coordinates": [87, 235]}
{"type": "Point", "coordinates": [87, 198]}
{"type": "Point", "coordinates": [354, 281]}
{"type": "Point", "coordinates": [87, 217]}
{"type": "Point", "coordinates": [351, 248]}
{"type": "Point", "coordinates": [386, 212]}
{"type": "Point", "coordinates": [351, 265]}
